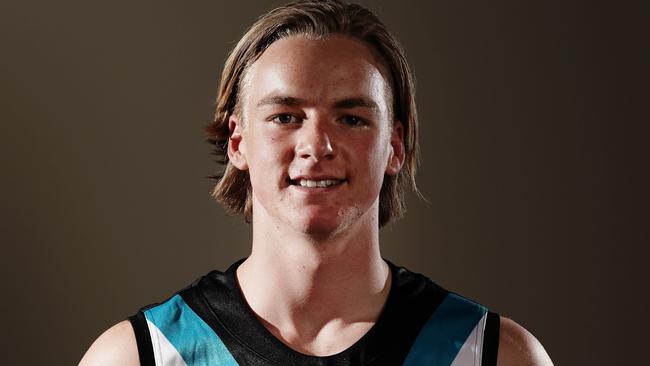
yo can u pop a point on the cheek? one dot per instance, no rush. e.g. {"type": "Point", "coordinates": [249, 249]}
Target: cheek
{"type": "Point", "coordinates": [378, 149]}
{"type": "Point", "coordinates": [373, 155]}
{"type": "Point", "coordinates": [267, 157]}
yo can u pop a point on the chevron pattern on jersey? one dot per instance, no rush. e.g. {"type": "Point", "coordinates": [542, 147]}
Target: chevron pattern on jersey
{"type": "Point", "coordinates": [180, 337]}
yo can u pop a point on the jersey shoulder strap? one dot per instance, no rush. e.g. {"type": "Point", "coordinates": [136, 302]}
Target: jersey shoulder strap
{"type": "Point", "coordinates": [171, 333]}
{"type": "Point", "coordinates": [460, 332]}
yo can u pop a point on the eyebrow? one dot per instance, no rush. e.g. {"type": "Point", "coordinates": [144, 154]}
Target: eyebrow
{"type": "Point", "coordinates": [347, 103]}
{"type": "Point", "coordinates": [356, 103]}
{"type": "Point", "coordinates": [279, 100]}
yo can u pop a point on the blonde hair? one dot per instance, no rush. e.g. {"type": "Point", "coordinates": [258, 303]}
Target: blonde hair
{"type": "Point", "coordinates": [315, 19]}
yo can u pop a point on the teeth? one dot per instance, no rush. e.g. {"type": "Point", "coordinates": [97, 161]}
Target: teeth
{"type": "Point", "coordinates": [318, 183]}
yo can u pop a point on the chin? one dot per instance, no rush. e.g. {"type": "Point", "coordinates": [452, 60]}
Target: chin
{"type": "Point", "coordinates": [319, 228]}
{"type": "Point", "coordinates": [322, 225]}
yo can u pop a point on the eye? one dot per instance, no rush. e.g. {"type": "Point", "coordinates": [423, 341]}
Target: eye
{"type": "Point", "coordinates": [353, 121]}
{"type": "Point", "coordinates": [284, 119]}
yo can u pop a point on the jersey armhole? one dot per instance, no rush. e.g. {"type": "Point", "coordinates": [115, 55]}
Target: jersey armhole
{"type": "Point", "coordinates": [143, 339]}
{"type": "Point", "coordinates": [491, 339]}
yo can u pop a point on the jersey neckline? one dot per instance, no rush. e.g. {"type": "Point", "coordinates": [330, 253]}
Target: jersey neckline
{"type": "Point", "coordinates": [233, 312]}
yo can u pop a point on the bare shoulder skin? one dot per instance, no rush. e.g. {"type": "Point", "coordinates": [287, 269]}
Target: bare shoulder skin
{"type": "Point", "coordinates": [518, 347]}
{"type": "Point", "coordinates": [116, 346]}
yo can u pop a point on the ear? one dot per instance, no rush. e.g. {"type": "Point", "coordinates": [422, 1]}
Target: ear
{"type": "Point", "coordinates": [236, 143]}
{"type": "Point", "coordinates": [396, 154]}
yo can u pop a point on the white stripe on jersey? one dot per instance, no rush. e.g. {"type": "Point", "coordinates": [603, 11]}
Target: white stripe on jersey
{"type": "Point", "coordinates": [471, 353]}
{"type": "Point", "coordinates": [164, 353]}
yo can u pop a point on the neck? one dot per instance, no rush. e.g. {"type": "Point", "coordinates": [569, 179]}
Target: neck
{"type": "Point", "coordinates": [302, 288]}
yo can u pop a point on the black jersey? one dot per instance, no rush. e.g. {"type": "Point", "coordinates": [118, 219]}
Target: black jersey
{"type": "Point", "coordinates": [210, 323]}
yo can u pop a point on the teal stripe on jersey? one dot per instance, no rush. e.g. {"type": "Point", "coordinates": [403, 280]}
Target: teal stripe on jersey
{"type": "Point", "coordinates": [445, 332]}
{"type": "Point", "coordinates": [194, 340]}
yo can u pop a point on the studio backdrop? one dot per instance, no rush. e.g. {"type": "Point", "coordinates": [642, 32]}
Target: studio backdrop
{"type": "Point", "coordinates": [531, 165]}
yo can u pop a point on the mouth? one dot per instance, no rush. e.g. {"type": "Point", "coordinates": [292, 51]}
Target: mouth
{"type": "Point", "coordinates": [316, 182]}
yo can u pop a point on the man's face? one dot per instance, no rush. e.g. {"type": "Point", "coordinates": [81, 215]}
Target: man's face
{"type": "Point", "coordinates": [317, 136]}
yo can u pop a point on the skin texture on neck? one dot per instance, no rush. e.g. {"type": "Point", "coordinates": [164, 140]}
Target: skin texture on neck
{"type": "Point", "coordinates": [319, 298]}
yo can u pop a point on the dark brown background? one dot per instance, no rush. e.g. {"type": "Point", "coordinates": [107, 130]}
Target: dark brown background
{"type": "Point", "coordinates": [533, 146]}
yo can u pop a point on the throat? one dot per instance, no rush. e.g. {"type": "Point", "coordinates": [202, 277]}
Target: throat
{"type": "Point", "coordinates": [317, 311]}
{"type": "Point", "coordinates": [333, 338]}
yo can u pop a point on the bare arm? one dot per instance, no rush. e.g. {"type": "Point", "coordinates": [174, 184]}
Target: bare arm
{"type": "Point", "coordinates": [518, 347]}
{"type": "Point", "coordinates": [116, 346]}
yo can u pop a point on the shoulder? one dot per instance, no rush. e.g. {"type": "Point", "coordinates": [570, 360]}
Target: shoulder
{"type": "Point", "coordinates": [116, 346]}
{"type": "Point", "coordinates": [517, 346]}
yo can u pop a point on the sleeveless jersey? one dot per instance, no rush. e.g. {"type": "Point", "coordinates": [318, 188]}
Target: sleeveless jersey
{"type": "Point", "coordinates": [210, 323]}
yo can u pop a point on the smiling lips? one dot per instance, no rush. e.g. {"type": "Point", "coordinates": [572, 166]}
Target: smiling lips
{"type": "Point", "coordinates": [316, 182]}
{"type": "Point", "coordinates": [319, 183]}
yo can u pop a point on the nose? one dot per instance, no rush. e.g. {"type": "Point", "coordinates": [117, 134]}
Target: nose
{"type": "Point", "coordinates": [314, 141]}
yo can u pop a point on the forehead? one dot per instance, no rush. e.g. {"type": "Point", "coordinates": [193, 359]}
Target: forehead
{"type": "Point", "coordinates": [322, 70]}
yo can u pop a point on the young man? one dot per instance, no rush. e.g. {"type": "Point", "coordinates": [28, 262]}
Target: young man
{"type": "Point", "coordinates": [316, 124]}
